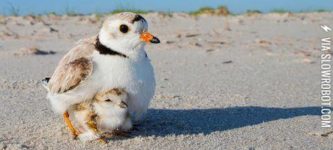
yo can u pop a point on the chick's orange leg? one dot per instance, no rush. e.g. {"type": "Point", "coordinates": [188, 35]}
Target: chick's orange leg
{"type": "Point", "coordinates": [93, 126]}
{"type": "Point", "coordinates": [69, 124]}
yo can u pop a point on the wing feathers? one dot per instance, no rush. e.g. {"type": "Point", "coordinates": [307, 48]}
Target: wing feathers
{"type": "Point", "coordinates": [71, 75]}
{"type": "Point", "coordinates": [73, 68]}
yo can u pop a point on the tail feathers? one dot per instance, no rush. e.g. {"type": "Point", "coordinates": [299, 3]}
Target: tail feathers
{"type": "Point", "coordinates": [45, 81]}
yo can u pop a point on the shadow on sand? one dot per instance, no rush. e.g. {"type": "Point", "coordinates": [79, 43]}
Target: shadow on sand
{"type": "Point", "coordinates": [163, 122]}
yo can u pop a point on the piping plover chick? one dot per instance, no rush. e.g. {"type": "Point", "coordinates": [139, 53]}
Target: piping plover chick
{"type": "Point", "coordinates": [107, 112]}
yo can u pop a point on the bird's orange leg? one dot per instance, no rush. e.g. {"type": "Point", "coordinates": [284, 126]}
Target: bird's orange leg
{"type": "Point", "coordinates": [69, 124]}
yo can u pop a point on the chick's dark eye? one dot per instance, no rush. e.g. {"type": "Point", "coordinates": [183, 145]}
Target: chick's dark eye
{"type": "Point", "coordinates": [123, 28]}
{"type": "Point", "coordinates": [108, 100]}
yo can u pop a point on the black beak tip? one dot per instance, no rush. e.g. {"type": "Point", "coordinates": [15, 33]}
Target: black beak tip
{"type": "Point", "coordinates": [155, 40]}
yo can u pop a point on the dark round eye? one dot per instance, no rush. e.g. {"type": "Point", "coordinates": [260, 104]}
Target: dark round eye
{"type": "Point", "coordinates": [108, 100]}
{"type": "Point", "coordinates": [123, 28]}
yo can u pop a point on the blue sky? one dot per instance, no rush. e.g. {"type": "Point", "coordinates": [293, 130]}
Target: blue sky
{"type": "Point", "coordinates": [88, 6]}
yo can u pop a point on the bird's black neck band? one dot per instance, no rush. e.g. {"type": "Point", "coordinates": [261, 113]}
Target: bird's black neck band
{"type": "Point", "coordinates": [102, 49]}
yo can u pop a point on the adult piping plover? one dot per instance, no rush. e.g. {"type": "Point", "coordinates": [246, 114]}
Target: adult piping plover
{"type": "Point", "coordinates": [115, 58]}
{"type": "Point", "coordinates": [106, 113]}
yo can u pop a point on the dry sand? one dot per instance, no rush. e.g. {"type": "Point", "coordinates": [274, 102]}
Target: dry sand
{"type": "Point", "coordinates": [237, 82]}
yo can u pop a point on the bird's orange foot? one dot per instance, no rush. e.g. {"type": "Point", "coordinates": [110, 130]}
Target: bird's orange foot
{"type": "Point", "coordinates": [75, 133]}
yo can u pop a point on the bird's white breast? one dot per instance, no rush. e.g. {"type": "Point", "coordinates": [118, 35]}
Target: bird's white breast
{"type": "Point", "coordinates": [136, 76]}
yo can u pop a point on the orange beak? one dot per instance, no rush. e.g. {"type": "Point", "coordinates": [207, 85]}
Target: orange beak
{"type": "Point", "coordinates": [149, 38]}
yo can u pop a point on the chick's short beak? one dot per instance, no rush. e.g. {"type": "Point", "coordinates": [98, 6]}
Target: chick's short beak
{"type": "Point", "coordinates": [123, 105]}
{"type": "Point", "coordinates": [149, 38]}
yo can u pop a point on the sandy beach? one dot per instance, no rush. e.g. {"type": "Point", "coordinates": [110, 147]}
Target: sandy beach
{"type": "Point", "coordinates": [236, 82]}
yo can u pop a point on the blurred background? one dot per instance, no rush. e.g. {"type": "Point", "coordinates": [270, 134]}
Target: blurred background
{"type": "Point", "coordinates": [37, 7]}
